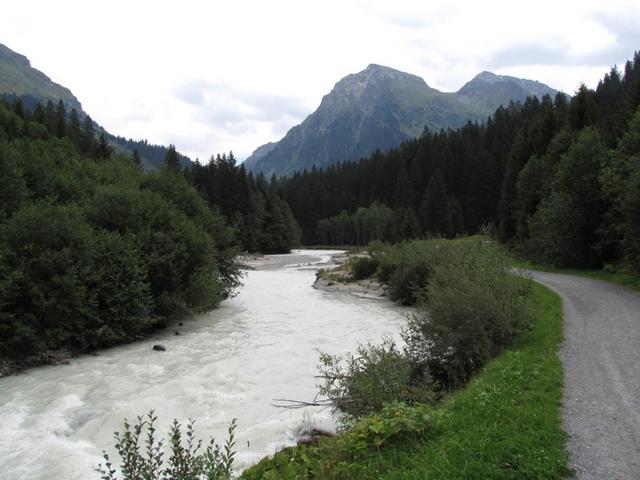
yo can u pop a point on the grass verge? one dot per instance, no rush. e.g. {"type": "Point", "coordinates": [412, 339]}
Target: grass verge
{"type": "Point", "coordinates": [608, 274]}
{"type": "Point", "coordinates": [506, 424]}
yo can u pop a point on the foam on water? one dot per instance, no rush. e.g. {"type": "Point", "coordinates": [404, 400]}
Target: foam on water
{"type": "Point", "coordinates": [230, 363]}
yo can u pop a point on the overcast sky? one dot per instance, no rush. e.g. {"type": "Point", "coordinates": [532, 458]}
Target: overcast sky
{"type": "Point", "coordinates": [214, 76]}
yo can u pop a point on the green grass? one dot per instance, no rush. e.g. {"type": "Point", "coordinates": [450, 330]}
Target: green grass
{"type": "Point", "coordinates": [506, 424]}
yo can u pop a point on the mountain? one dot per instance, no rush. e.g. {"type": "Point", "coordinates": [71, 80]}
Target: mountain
{"type": "Point", "coordinates": [488, 90]}
{"type": "Point", "coordinates": [380, 107]}
{"type": "Point", "coordinates": [18, 79]}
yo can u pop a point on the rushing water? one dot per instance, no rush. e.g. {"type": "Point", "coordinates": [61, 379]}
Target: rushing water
{"type": "Point", "coordinates": [230, 363]}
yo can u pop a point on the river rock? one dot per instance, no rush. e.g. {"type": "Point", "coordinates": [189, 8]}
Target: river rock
{"type": "Point", "coordinates": [313, 435]}
{"type": "Point", "coordinates": [159, 348]}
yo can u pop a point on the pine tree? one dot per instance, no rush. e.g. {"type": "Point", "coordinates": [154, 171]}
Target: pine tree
{"type": "Point", "coordinates": [88, 137]}
{"type": "Point", "coordinates": [18, 108]}
{"type": "Point", "coordinates": [60, 125]}
{"type": "Point", "coordinates": [456, 218]}
{"type": "Point", "coordinates": [103, 150]}
{"type": "Point", "coordinates": [135, 158]}
{"type": "Point", "coordinates": [434, 210]}
{"type": "Point", "coordinates": [74, 131]}
{"type": "Point", "coordinates": [171, 161]}
{"type": "Point", "coordinates": [38, 113]}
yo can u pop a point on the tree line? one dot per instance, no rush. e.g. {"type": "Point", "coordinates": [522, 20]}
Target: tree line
{"type": "Point", "coordinates": [262, 219]}
{"type": "Point", "coordinates": [558, 178]}
{"type": "Point", "coordinates": [93, 251]}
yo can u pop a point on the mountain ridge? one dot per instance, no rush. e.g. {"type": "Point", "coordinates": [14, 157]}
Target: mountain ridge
{"type": "Point", "coordinates": [20, 80]}
{"type": "Point", "coordinates": [378, 108]}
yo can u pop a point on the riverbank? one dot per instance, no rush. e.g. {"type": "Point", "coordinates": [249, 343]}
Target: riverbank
{"type": "Point", "coordinates": [505, 424]}
{"type": "Point", "coordinates": [231, 362]}
{"type": "Point", "coordinates": [298, 258]}
{"type": "Point", "coordinates": [64, 356]}
{"type": "Point", "coordinates": [337, 277]}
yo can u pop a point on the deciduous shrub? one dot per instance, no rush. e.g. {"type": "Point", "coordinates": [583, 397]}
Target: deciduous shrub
{"type": "Point", "coordinates": [143, 456]}
{"type": "Point", "coordinates": [472, 309]}
{"type": "Point", "coordinates": [375, 375]}
{"type": "Point", "coordinates": [363, 267]}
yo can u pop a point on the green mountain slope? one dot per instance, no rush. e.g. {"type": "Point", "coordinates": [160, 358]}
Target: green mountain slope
{"type": "Point", "coordinates": [18, 79]}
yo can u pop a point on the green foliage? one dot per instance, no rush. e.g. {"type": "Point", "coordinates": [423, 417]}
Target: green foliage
{"type": "Point", "coordinates": [372, 223]}
{"type": "Point", "coordinates": [564, 229]}
{"type": "Point", "coordinates": [434, 211]}
{"type": "Point", "coordinates": [171, 161]}
{"type": "Point", "coordinates": [261, 217]}
{"type": "Point", "coordinates": [506, 424]}
{"type": "Point", "coordinates": [94, 253]}
{"type": "Point", "coordinates": [376, 375]}
{"type": "Point", "coordinates": [406, 267]}
{"type": "Point", "coordinates": [473, 308]}
{"type": "Point", "coordinates": [142, 454]}
{"type": "Point", "coordinates": [363, 267]}
{"type": "Point", "coordinates": [348, 454]}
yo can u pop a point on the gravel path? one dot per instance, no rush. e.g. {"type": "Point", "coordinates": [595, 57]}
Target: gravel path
{"type": "Point", "coordinates": [601, 357]}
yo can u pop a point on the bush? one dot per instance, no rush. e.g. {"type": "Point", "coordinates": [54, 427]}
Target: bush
{"type": "Point", "coordinates": [375, 375]}
{"type": "Point", "coordinates": [44, 302]}
{"type": "Point", "coordinates": [348, 455]}
{"type": "Point", "coordinates": [143, 456]}
{"type": "Point", "coordinates": [363, 267]}
{"type": "Point", "coordinates": [93, 253]}
{"type": "Point", "coordinates": [471, 310]}
{"type": "Point", "coordinates": [406, 267]}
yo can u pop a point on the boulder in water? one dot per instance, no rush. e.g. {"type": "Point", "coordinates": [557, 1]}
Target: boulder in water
{"type": "Point", "coordinates": [159, 348]}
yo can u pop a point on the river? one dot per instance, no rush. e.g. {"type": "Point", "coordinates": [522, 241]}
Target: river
{"type": "Point", "coordinates": [55, 421]}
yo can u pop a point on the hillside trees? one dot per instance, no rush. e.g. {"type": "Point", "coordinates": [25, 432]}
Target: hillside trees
{"type": "Point", "coordinates": [94, 252]}
{"type": "Point", "coordinates": [262, 219]}
{"type": "Point", "coordinates": [556, 176]}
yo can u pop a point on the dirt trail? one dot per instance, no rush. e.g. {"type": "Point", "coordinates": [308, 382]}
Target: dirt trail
{"type": "Point", "coordinates": [601, 358]}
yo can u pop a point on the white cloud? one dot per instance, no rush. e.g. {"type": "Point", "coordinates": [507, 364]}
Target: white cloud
{"type": "Point", "coordinates": [213, 76]}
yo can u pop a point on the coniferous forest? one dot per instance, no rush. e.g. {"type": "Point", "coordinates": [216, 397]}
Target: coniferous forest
{"type": "Point", "coordinates": [558, 179]}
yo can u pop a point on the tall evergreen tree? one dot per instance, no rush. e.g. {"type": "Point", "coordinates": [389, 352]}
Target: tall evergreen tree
{"type": "Point", "coordinates": [435, 207]}
{"type": "Point", "coordinates": [103, 149]}
{"type": "Point", "coordinates": [88, 137]}
{"type": "Point", "coordinates": [135, 158]}
{"type": "Point", "coordinates": [60, 125]}
{"type": "Point", "coordinates": [74, 131]}
{"type": "Point", "coordinates": [456, 218]}
{"type": "Point", "coordinates": [171, 161]}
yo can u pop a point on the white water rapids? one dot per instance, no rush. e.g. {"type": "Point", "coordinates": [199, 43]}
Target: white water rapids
{"type": "Point", "coordinates": [229, 363]}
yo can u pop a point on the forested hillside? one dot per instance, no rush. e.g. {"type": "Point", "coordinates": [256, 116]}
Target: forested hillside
{"type": "Point", "coordinates": [20, 81]}
{"type": "Point", "coordinates": [263, 221]}
{"type": "Point", "coordinates": [557, 178]}
{"type": "Point", "coordinates": [93, 251]}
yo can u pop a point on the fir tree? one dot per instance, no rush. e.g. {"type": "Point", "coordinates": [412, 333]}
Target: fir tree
{"type": "Point", "coordinates": [171, 161]}
{"type": "Point", "coordinates": [103, 149]}
{"type": "Point", "coordinates": [434, 210]}
{"type": "Point", "coordinates": [74, 132]}
{"type": "Point", "coordinates": [135, 158]}
{"type": "Point", "coordinates": [60, 122]}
